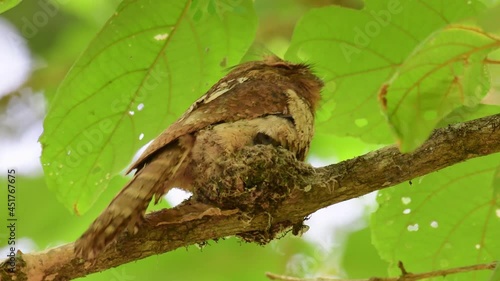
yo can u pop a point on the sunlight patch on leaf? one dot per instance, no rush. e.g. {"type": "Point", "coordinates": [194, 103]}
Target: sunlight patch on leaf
{"type": "Point", "coordinates": [161, 37]}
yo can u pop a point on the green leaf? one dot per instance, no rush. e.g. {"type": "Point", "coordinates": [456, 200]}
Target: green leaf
{"type": "Point", "coordinates": [149, 62]}
{"type": "Point", "coordinates": [356, 52]}
{"type": "Point", "coordinates": [6, 5]}
{"type": "Point", "coordinates": [466, 113]}
{"type": "Point", "coordinates": [446, 219]}
{"type": "Point", "coordinates": [330, 147]}
{"type": "Point", "coordinates": [444, 73]}
{"type": "Point", "coordinates": [488, 21]}
{"type": "Point", "coordinates": [495, 276]}
{"type": "Point", "coordinates": [361, 259]}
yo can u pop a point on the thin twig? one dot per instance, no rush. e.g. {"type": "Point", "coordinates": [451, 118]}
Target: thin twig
{"type": "Point", "coordinates": [405, 277]}
{"type": "Point", "coordinates": [403, 269]}
{"type": "Point", "coordinates": [490, 61]}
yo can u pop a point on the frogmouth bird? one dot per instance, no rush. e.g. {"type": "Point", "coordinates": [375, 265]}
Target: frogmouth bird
{"type": "Point", "coordinates": [260, 102]}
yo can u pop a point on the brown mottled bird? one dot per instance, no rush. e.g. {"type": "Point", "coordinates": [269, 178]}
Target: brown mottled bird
{"type": "Point", "coordinates": [260, 102]}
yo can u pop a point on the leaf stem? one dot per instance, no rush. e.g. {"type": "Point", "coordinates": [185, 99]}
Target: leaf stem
{"type": "Point", "coordinates": [490, 61]}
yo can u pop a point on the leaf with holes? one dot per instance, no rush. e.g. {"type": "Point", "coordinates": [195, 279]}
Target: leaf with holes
{"type": "Point", "coordinates": [359, 51]}
{"type": "Point", "coordinates": [446, 219]}
{"type": "Point", "coordinates": [149, 62]}
{"type": "Point", "coordinates": [444, 73]}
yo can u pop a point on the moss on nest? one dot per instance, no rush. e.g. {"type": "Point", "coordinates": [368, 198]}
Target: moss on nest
{"type": "Point", "coordinates": [255, 180]}
{"type": "Point", "coordinates": [251, 180]}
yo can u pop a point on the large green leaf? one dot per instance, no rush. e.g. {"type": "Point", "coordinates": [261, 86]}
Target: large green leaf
{"type": "Point", "coordinates": [361, 259]}
{"type": "Point", "coordinates": [442, 74]}
{"type": "Point", "coordinates": [495, 276]}
{"type": "Point", "coordinates": [6, 5]}
{"type": "Point", "coordinates": [466, 113]}
{"type": "Point", "coordinates": [356, 52]}
{"type": "Point", "coordinates": [446, 219]}
{"type": "Point", "coordinates": [142, 70]}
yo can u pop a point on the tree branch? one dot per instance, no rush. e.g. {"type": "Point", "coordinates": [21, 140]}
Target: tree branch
{"type": "Point", "coordinates": [285, 192]}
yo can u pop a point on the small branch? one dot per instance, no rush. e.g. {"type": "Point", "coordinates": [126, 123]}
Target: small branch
{"type": "Point", "coordinates": [403, 269]}
{"type": "Point", "coordinates": [490, 61]}
{"type": "Point", "coordinates": [307, 190]}
{"type": "Point", "coordinates": [404, 277]}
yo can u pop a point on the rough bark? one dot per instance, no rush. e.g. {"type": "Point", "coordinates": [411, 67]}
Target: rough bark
{"type": "Point", "coordinates": [297, 190]}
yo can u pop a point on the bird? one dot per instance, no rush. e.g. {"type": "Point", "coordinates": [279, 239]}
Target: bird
{"type": "Point", "coordinates": [265, 102]}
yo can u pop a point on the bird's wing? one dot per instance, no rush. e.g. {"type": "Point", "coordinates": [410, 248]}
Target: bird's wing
{"type": "Point", "coordinates": [239, 103]}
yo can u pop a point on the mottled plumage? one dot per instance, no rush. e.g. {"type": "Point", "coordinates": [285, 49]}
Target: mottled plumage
{"type": "Point", "coordinates": [260, 102]}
